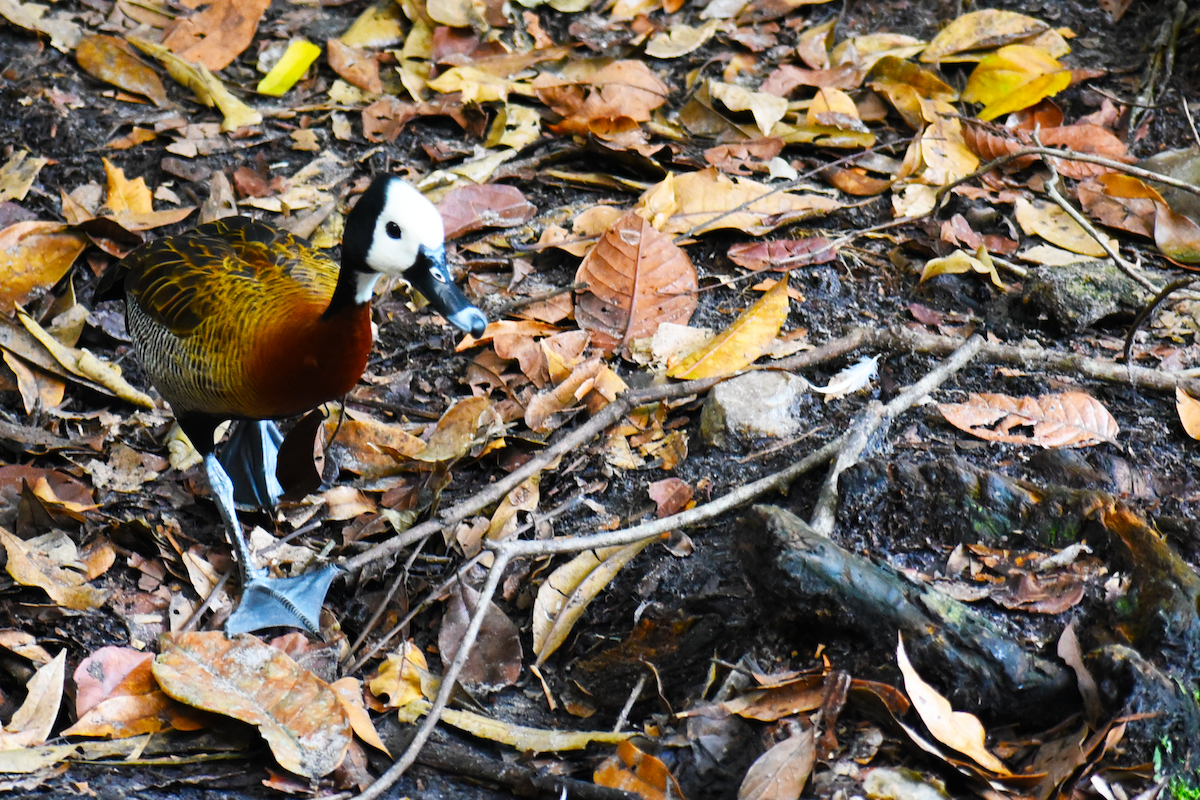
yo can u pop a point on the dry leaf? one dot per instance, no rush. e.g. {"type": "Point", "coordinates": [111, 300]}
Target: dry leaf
{"type": "Point", "coordinates": [33, 257]}
{"type": "Point", "coordinates": [632, 770]}
{"type": "Point", "coordinates": [565, 595]}
{"type": "Point", "coordinates": [957, 729]}
{"type": "Point", "coordinates": [737, 347]}
{"type": "Point", "coordinates": [32, 723]}
{"type": "Point", "coordinates": [297, 713]}
{"type": "Point", "coordinates": [202, 83]}
{"type": "Point", "coordinates": [636, 279]}
{"type": "Point", "coordinates": [521, 737]}
{"type": "Point", "coordinates": [1045, 219]}
{"type": "Point", "coordinates": [124, 700]}
{"type": "Point", "coordinates": [781, 772]}
{"type": "Point", "coordinates": [60, 574]}
{"type": "Point", "coordinates": [18, 174]}
{"type": "Point", "coordinates": [705, 201]}
{"type": "Point", "coordinates": [1069, 419]}
{"type": "Point", "coordinates": [110, 59]}
{"type": "Point", "coordinates": [466, 209]}
{"type": "Point", "coordinates": [217, 35]}
{"type": "Point", "coordinates": [977, 30]}
{"type": "Point", "coordinates": [1188, 409]}
{"type": "Point", "coordinates": [495, 660]}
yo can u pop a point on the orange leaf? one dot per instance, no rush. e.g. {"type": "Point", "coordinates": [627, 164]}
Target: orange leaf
{"type": "Point", "coordinates": [297, 713]}
{"type": "Point", "coordinates": [637, 279]}
{"type": "Point", "coordinates": [1069, 419]}
{"type": "Point", "coordinates": [634, 771]}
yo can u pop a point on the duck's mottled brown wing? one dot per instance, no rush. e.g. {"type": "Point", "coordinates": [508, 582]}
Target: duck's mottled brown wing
{"type": "Point", "coordinates": [180, 281]}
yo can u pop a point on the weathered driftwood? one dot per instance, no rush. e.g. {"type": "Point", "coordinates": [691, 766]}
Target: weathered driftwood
{"type": "Point", "coordinates": [983, 668]}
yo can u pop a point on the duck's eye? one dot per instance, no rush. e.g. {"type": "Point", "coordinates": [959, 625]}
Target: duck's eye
{"type": "Point", "coordinates": [393, 230]}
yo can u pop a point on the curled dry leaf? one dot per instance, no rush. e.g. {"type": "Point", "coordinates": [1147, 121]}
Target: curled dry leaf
{"type": "Point", "coordinates": [636, 279]}
{"type": "Point", "coordinates": [32, 722]}
{"type": "Point", "coordinates": [737, 347]}
{"type": "Point", "coordinates": [782, 255]}
{"type": "Point", "coordinates": [521, 737]}
{"type": "Point", "coordinates": [1068, 419]}
{"type": "Point", "coordinates": [297, 713]}
{"type": "Point", "coordinates": [565, 595]}
{"type": "Point", "coordinates": [781, 772]}
{"type": "Point", "coordinates": [208, 89]}
{"type": "Point", "coordinates": [957, 729]}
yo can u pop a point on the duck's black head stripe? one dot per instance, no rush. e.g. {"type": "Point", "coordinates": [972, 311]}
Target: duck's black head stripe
{"type": "Point", "coordinates": [360, 226]}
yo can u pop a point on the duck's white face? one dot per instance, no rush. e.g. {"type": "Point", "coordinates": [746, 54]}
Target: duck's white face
{"type": "Point", "coordinates": [406, 223]}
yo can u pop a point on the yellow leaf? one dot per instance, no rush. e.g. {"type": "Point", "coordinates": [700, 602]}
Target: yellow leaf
{"type": "Point", "coordinates": [959, 262]}
{"type": "Point", "coordinates": [61, 578]}
{"type": "Point", "coordinates": [1050, 222]}
{"type": "Point", "coordinates": [525, 739]}
{"type": "Point", "coordinates": [977, 30]}
{"type": "Point", "coordinates": [202, 83]}
{"type": "Point", "coordinates": [741, 343]}
{"type": "Point", "coordinates": [958, 729]}
{"type": "Point", "coordinates": [565, 595]}
{"type": "Point", "coordinates": [378, 26]}
{"type": "Point", "coordinates": [403, 678]}
{"type": "Point", "coordinates": [296, 60]}
{"type": "Point", "coordinates": [1012, 78]}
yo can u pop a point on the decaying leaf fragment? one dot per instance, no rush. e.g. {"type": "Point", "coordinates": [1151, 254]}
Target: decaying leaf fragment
{"type": "Point", "coordinates": [1068, 419]}
{"type": "Point", "coordinates": [297, 713]}
{"type": "Point", "coordinates": [636, 278]}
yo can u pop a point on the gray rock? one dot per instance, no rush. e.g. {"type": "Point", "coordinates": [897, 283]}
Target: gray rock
{"type": "Point", "coordinates": [1076, 295]}
{"type": "Point", "coordinates": [756, 405]}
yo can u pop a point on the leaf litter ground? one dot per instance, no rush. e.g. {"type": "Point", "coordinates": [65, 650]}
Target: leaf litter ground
{"type": "Point", "coordinates": [674, 611]}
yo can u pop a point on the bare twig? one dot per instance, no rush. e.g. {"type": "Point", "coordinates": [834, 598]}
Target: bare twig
{"type": "Point", "coordinates": [1051, 189]}
{"type": "Point", "coordinates": [875, 417]}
